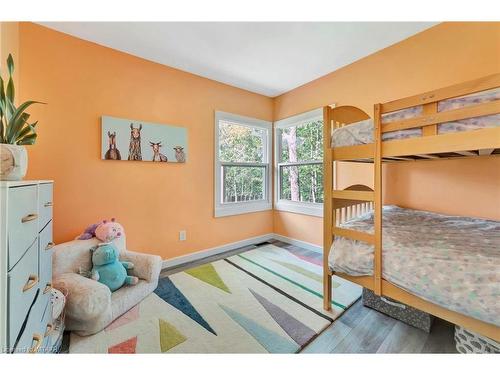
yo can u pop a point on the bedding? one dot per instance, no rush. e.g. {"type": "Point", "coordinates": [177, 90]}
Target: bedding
{"type": "Point", "coordinates": [362, 132]}
{"type": "Point", "coordinates": [451, 261]}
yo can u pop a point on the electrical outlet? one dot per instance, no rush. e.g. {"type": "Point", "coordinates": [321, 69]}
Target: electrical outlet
{"type": "Point", "coordinates": [182, 235]}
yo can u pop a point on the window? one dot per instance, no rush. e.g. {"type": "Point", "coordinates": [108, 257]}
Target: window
{"type": "Point", "coordinates": [299, 163]}
{"type": "Point", "coordinates": [242, 164]}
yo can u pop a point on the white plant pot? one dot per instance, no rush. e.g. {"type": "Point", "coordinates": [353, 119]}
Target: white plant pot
{"type": "Point", "coordinates": [14, 162]}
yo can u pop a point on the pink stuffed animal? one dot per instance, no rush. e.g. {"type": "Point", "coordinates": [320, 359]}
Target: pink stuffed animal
{"type": "Point", "coordinates": [109, 230]}
{"type": "Point", "coordinates": [106, 231]}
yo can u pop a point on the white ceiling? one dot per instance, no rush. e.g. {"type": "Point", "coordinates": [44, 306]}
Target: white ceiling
{"type": "Point", "coordinates": [267, 58]}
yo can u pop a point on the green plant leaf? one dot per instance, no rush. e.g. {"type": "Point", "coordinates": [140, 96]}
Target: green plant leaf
{"type": "Point", "coordinates": [10, 64]}
{"type": "Point", "coordinates": [14, 125]}
{"type": "Point", "coordinates": [2, 128]}
{"type": "Point", "coordinates": [24, 132]}
{"type": "Point", "coordinates": [11, 91]}
{"type": "Point", "coordinates": [9, 109]}
{"type": "Point", "coordinates": [28, 140]}
{"type": "Point", "coordinates": [2, 90]}
{"type": "Point", "coordinates": [3, 102]}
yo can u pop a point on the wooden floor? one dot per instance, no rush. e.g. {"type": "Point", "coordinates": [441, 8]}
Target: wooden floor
{"type": "Point", "coordinates": [364, 330]}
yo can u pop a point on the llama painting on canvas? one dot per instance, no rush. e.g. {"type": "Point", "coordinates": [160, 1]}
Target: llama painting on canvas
{"type": "Point", "coordinates": [134, 149]}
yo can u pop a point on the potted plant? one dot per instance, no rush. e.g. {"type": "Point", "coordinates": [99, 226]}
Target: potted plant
{"type": "Point", "coordinates": [15, 131]}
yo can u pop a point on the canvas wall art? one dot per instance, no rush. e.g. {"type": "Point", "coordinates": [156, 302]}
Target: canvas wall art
{"type": "Point", "coordinates": [124, 139]}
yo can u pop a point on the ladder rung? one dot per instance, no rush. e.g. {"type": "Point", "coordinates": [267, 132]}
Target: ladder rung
{"type": "Point", "coordinates": [354, 234]}
{"type": "Point", "coordinates": [354, 195]}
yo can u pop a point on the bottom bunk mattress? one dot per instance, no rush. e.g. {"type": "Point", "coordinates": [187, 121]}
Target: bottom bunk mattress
{"type": "Point", "coordinates": [451, 261]}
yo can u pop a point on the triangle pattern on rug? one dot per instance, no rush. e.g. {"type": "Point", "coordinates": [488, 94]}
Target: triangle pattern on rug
{"type": "Point", "coordinates": [209, 275]}
{"type": "Point", "coordinates": [168, 292]}
{"type": "Point", "coordinates": [307, 255]}
{"type": "Point", "coordinates": [169, 336]}
{"type": "Point", "coordinates": [299, 332]}
{"type": "Point", "coordinates": [271, 341]}
{"type": "Point", "coordinates": [125, 347]}
{"type": "Point", "coordinates": [128, 317]}
{"type": "Point", "coordinates": [299, 269]}
{"type": "Point", "coordinates": [304, 271]}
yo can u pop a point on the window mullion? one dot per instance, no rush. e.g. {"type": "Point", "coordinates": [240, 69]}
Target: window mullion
{"type": "Point", "coordinates": [299, 163]}
{"type": "Point", "coordinates": [242, 164]}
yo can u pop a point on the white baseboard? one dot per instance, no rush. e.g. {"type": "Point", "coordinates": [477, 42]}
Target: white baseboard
{"type": "Point", "coordinates": [303, 244]}
{"type": "Point", "coordinates": [183, 259]}
{"type": "Point", "coordinates": [177, 261]}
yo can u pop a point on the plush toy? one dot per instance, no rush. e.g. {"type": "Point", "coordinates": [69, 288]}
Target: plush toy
{"type": "Point", "coordinates": [89, 232]}
{"type": "Point", "coordinates": [105, 231]}
{"type": "Point", "coordinates": [107, 268]}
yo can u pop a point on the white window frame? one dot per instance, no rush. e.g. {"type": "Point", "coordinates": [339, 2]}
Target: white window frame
{"type": "Point", "coordinates": [305, 208]}
{"type": "Point", "coordinates": [222, 209]}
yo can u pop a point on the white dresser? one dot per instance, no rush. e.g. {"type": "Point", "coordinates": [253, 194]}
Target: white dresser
{"type": "Point", "coordinates": [25, 266]}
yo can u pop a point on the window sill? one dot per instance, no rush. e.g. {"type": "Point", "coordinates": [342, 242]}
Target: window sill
{"type": "Point", "coordinates": [310, 209]}
{"type": "Point", "coordinates": [242, 208]}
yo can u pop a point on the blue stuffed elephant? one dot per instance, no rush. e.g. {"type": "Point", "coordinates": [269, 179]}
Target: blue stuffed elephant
{"type": "Point", "coordinates": [108, 269]}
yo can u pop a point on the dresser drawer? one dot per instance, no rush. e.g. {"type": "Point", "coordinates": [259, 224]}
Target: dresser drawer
{"type": "Point", "coordinates": [48, 343]}
{"type": "Point", "coordinates": [23, 221]}
{"type": "Point", "coordinates": [23, 283]}
{"type": "Point", "coordinates": [44, 204]}
{"type": "Point", "coordinates": [32, 337]}
{"type": "Point", "coordinates": [48, 329]}
{"type": "Point", "coordinates": [45, 256]}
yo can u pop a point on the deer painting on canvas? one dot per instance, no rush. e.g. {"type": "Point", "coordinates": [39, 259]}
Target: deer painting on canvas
{"type": "Point", "coordinates": [157, 155]}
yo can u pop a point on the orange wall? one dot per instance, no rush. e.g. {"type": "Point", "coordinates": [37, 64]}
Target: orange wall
{"type": "Point", "coordinates": [81, 81]}
{"type": "Point", "coordinates": [446, 54]}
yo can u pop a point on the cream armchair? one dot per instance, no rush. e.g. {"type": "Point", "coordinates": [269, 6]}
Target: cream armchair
{"type": "Point", "coordinates": [90, 305]}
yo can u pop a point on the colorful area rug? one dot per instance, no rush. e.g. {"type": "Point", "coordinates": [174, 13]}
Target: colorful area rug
{"type": "Point", "coordinates": [267, 300]}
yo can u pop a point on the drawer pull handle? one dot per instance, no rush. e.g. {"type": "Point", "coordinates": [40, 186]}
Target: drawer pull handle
{"type": "Point", "coordinates": [32, 281]}
{"type": "Point", "coordinates": [48, 204]}
{"type": "Point", "coordinates": [37, 338]}
{"type": "Point", "coordinates": [48, 288]}
{"type": "Point", "coordinates": [50, 245]}
{"type": "Point", "coordinates": [48, 331]}
{"type": "Point", "coordinates": [29, 217]}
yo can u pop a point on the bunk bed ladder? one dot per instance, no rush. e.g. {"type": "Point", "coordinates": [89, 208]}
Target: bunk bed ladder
{"type": "Point", "coordinates": [342, 205]}
{"type": "Point", "coordinates": [328, 214]}
{"type": "Point", "coordinates": [377, 210]}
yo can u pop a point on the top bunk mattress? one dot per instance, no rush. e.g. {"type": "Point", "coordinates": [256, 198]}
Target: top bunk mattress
{"type": "Point", "coordinates": [361, 132]}
{"type": "Point", "coordinates": [451, 261]}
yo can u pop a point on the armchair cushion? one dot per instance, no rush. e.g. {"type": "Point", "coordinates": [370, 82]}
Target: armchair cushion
{"type": "Point", "coordinates": [146, 267]}
{"type": "Point", "coordinates": [86, 298]}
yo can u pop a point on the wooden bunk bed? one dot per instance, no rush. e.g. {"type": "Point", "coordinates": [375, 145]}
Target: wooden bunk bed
{"type": "Point", "coordinates": [342, 205]}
